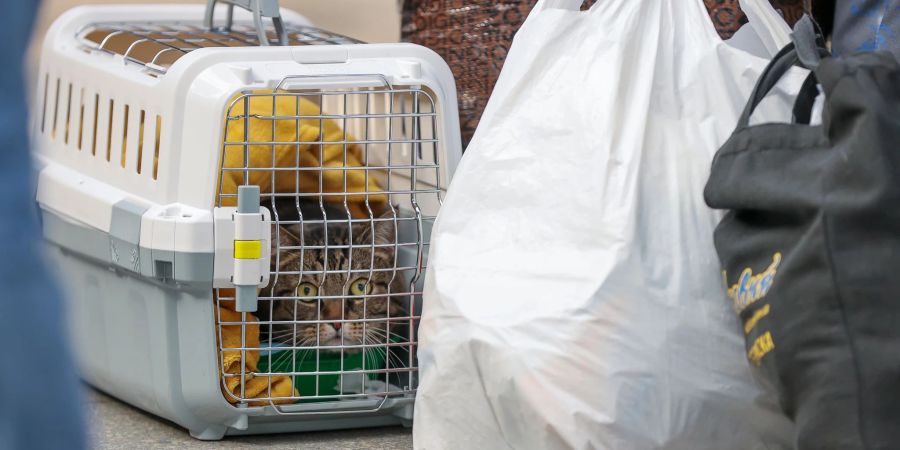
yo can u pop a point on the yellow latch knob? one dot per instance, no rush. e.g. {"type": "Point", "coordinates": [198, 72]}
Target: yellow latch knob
{"type": "Point", "coordinates": [247, 249]}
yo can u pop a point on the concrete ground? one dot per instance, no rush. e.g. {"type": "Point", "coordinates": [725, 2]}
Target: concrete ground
{"type": "Point", "coordinates": [115, 425]}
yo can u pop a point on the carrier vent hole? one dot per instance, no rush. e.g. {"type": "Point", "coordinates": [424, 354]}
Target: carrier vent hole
{"type": "Point", "coordinates": [140, 152]}
{"type": "Point", "coordinates": [124, 136]}
{"type": "Point", "coordinates": [55, 109]}
{"type": "Point", "coordinates": [80, 119]}
{"type": "Point", "coordinates": [68, 115]}
{"type": "Point", "coordinates": [156, 147]}
{"type": "Point", "coordinates": [96, 113]}
{"type": "Point", "coordinates": [44, 108]}
{"type": "Point", "coordinates": [164, 270]}
{"type": "Point", "coordinates": [109, 130]}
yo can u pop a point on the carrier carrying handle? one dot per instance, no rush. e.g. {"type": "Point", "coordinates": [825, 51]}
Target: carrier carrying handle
{"type": "Point", "coordinates": [259, 9]}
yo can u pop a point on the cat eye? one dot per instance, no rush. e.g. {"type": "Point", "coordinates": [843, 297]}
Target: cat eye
{"type": "Point", "coordinates": [360, 286]}
{"type": "Point", "coordinates": [305, 290]}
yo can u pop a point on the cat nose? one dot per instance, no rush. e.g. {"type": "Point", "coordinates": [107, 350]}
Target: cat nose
{"type": "Point", "coordinates": [337, 326]}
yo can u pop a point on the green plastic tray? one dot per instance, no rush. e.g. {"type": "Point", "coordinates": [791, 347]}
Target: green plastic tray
{"type": "Point", "coordinates": [328, 362]}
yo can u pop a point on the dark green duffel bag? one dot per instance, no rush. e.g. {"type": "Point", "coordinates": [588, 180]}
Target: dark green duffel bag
{"type": "Point", "coordinates": [810, 245]}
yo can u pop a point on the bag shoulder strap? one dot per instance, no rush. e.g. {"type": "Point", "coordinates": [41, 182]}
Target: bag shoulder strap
{"type": "Point", "coordinates": [806, 99]}
{"type": "Point", "coordinates": [805, 43]}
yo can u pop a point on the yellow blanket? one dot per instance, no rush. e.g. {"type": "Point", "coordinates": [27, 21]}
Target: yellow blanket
{"type": "Point", "coordinates": [294, 146]}
{"type": "Point", "coordinates": [254, 387]}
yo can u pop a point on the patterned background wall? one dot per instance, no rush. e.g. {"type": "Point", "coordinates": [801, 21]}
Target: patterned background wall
{"type": "Point", "coordinates": [474, 37]}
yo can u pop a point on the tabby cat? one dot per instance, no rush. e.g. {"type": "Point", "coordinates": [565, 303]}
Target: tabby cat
{"type": "Point", "coordinates": [338, 300]}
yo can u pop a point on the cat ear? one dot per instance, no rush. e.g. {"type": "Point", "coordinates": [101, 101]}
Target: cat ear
{"type": "Point", "coordinates": [385, 228]}
{"type": "Point", "coordinates": [285, 236]}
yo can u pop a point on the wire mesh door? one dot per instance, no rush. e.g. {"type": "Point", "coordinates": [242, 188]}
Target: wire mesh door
{"type": "Point", "coordinates": [352, 179]}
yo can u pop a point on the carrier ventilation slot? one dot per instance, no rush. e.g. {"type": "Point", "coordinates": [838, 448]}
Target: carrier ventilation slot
{"type": "Point", "coordinates": [77, 115]}
{"type": "Point", "coordinates": [80, 119]}
{"type": "Point", "coordinates": [44, 109]}
{"type": "Point", "coordinates": [68, 115]}
{"type": "Point", "coordinates": [55, 109]}
{"type": "Point", "coordinates": [140, 149]}
{"type": "Point", "coordinates": [109, 130]}
{"type": "Point", "coordinates": [124, 136]}
{"type": "Point", "coordinates": [158, 133]}
{"type": "Point", "coordinates": [157, 46]}
{"type": "Point", "coordinates": [96, 116]}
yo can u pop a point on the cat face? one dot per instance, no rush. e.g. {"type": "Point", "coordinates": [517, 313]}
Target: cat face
{"type": "Point", "coordinates": [344, 281]}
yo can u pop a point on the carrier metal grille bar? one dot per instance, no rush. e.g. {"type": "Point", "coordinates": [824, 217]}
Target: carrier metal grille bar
{"type": "Point", "coordinates": [352, 180]}
{"type": "Point", "coordinates": [157, 46]}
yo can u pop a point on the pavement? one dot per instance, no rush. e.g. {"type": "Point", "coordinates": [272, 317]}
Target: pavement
{"type": "Point", "coordinates": [116, 425]}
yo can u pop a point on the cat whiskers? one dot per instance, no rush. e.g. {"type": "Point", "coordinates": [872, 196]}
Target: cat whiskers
{"type": "Point", "coordinates": [380, 337]}
{"type": "Point", "coordinates": [380, 333]}
{"type": "Point", "coordinates": [288, 354]}
{"type": "Point", "coordinates": [285, 338]}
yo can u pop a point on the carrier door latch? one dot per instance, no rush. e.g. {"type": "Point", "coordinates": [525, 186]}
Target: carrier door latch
{"type": "Point", "coordinates": [243, 244]}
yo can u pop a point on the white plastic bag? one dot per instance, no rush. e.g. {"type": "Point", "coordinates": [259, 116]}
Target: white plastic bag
{"type": "Point", "coordinates": [766, 31]}
{"type": "Point", "coordinates": [573, 296]}
{"type": "Point", "coordinates": [767, 24]}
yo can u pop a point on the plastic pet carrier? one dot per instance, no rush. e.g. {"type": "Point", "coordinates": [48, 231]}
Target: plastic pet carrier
{"type": "Point", "coordinates": [240, 207]}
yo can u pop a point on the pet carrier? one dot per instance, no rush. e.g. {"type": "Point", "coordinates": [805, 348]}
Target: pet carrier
{"type": "Point", "coordinates": [242, 228]}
